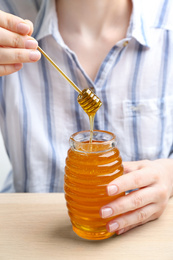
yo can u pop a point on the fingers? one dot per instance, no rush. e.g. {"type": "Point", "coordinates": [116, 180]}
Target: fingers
{"type": "Point", "coordinates": [130, 202]}
{"type": "Point", "coordinates": [12, 56]}
{"type": "Point", "coordinates": [15, 24]}
{"type": "Point", "coordinates": [15, 40]}
{"type": "Point", "coordinates": [130, 166]}
{"type": "Point", "coordinates": [132, 219]}
{"type": "Point", "coordinates": [135, 180]}
{"type": "Point", "coordinates": [9, 69]}
{"type": "Point", "coordinates": [11, 59]}
{"type": "Point", "coordinates": [142, 205]}
{"type": "Point", "coordinates": [31, 26]}
{"type": "Point", "coordinates": [16, 45]}
{"type": "Point", "coordinates": [123, 230]}
{"type": "Point", "coordinates": [134, 165]}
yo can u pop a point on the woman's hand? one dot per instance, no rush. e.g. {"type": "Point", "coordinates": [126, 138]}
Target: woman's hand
{"type": "Point", "coordinates": [16, 44]}
{"type": "Point", "coordinates": [154, 181]}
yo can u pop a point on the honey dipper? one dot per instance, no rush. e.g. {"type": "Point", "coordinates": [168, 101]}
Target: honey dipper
{"type": "Point", "coordinates": [86, 98]}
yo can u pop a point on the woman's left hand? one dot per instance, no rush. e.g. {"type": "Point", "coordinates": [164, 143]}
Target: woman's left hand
{"type": "Point", "coordinates": [154, 183]}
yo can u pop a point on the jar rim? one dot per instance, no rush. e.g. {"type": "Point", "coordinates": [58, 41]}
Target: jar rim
{"type": "Point", "coordinates": [102, 141]}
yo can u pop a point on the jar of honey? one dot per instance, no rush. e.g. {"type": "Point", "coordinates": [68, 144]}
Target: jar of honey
{"type": "Point", "coordinates": [90, 167]}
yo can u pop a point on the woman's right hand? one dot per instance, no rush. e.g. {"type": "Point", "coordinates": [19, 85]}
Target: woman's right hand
{"type": "Point", "coordinates": [16, 44]}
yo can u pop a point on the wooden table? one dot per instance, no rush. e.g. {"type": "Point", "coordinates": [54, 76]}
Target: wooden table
{"type": "Point", "coordinates": [37, 227]}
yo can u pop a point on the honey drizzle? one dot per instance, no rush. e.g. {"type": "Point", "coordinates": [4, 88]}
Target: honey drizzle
{"type": "Point", "coordinates": [90, 104]}
{"type": "Point", "coordinates": [91, 119]}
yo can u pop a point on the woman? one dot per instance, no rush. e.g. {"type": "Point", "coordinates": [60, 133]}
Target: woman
{"type": "Point", "coordinates": [122, 50]}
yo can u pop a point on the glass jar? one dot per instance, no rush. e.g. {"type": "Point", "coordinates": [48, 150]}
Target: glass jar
{"type": "Point", "coordinates": [89, 168]}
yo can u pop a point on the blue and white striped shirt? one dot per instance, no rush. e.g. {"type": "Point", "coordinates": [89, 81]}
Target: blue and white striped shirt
{"type": "Point", "coordinates": [39, 110]}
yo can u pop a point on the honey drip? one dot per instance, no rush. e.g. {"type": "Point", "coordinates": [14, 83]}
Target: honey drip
{"type": "Point", "coordinates": [91, 118]}
{"type": "Point", "coordinates": [90, 104]}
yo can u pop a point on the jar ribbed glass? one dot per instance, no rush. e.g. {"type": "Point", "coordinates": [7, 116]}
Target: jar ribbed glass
{"type": "Point", "coordinates": [89, 168]}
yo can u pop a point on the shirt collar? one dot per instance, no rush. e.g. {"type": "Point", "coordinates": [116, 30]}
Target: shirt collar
{"type": "Point", "coordinates": [47, 24]}
{"type": "Point", "coordinates": [138, 27]}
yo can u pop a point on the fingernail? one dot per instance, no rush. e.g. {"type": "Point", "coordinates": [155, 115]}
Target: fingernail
{"type": "Point", "coordinates": [112, 190]}
{"type": "Point", "coordinates": [34, 55]}
{"type": "Point", "coordinates": [31, 44]}
{"type": "Point", "coordinates": [106, 212]}
{"type": "Point", "coordinates": [23, 28]}
{"type": "Point", "coordinates": [113, 227]}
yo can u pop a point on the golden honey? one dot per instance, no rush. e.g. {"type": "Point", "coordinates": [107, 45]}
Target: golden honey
{"type": "Point", "coordinates": [89, 169]}
{"type": "Point", "coordinates": [89, 101]}
{"type": "Point", "coordinates": [90, 104]}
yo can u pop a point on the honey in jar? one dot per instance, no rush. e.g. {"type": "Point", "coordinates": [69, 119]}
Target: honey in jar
{"type": "Point", "coordinates": [90, 167]}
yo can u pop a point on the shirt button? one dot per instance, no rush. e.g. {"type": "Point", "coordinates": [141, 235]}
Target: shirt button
{"type": "Point", "coordinates": [125, 43]}
{"type": "Point", "coordinates": [135, 108]}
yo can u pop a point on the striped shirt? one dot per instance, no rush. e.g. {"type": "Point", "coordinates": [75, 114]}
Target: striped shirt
{"type": "Point", "coordinates": [39, 110]}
